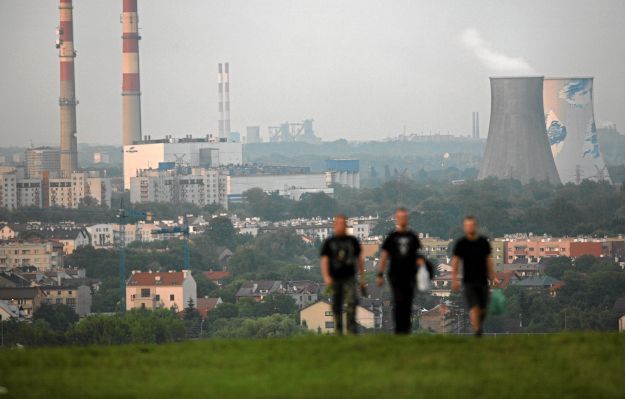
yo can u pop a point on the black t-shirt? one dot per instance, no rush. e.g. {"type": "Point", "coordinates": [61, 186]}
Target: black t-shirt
{"type": "Point", "coordinates": [343, 253]}
{"type": "Point", "coordinates": [403, 251]}
{"type": "Point", "coordinates": [474, 255]}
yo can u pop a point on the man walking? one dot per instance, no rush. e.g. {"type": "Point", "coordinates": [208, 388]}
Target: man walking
{"type": "Point", "coordinates": [341, 260]}
{"type": "Point", "coordinates": [477, 268]}
{"type": "Point", "coordinates": [401, 247]}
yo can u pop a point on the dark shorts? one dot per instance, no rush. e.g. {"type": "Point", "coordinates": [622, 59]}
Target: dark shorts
{"type": "Point", "coordinates": [476, 295]}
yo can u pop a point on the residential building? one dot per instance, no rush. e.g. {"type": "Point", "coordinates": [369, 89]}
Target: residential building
{"type": "Point", "coordinates": [217, 277]}
{"type": "Point", "coordinates": [42, 159]}
{"type": "Point", "coordinates": [441, 319]}
{"type": "Point", "coordinates": [101, 235]}
{"type": "Point", "coordinates": [319, 317]}
{"type": "Point", "coordinates": [151, 290]}
{"type": "Point", "coordinates": [435, 248]}
{"type": "Point", "coordinates": [27, 299]}
{"type": "Point", "coordinates": [206, 305]}
{"type": "Point", "coordinates": [259, 290]}
{"type": "Point", "coordinates": [8, 188]}
{"type": "Point", "coordinates": [75, 294]}
{"type": "Point", "coordinates": [8, 311]}
{"type": "Point", "coordinates": [530, 249]}
{"type": "Point", "coordinates": [199, 186]}
{"type": "Point", "coordinates": [498, 247]}
{"type": "Point", "coordinates": [42, 255]}
{"type": "Point", "coordinates": [303, 292]}
{"type": "Point", "coordinates": [29, 193]}
{"type": "Point", "coordinates": [71, 238]}
{"type": "Point", "coordinates": [547, 283]}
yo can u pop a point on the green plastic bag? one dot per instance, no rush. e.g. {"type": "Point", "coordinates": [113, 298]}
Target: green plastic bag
{"type": "Point", "coordinates": [497, 303]}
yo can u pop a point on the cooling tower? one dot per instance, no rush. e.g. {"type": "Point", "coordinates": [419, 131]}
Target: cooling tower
{"type": "Point", "coordinates": [131, 88]}
{"type": "Point", "coordinates": [517, 145]}
{"type": "Point", "coordinates": [67, 98]}
{"type": "Point", "coordinates": [571, 129]}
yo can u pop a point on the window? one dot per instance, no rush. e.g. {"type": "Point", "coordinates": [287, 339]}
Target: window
{"type": "Point", "coordinates": [145, 292]}
{"type": "Point", "coordinates": [171, 297]}
{"type": "Point", "coordinates": [329, 324]}
{"type": "Point", "coordinates": [157, 297]}
{"type": "Point", "coordinates": [59, 301]}
{"type": "Point", "coordinates": [329, 313]}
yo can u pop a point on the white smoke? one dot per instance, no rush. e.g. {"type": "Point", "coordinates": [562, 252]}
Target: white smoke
{"type": "Point", "coordinates": [491, 59]}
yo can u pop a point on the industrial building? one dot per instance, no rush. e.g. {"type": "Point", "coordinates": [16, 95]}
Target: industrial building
{"type": "Point", "coordinates": [345, 172]}
{"type": "Point", "coordinates": [289, 185]}
{"type": "Point", "coordinates": [42, 159]}
{"type": "Point", "coordinates": [290, 132]}
{"type": "Point", "coordinates": [517, 145]}
{"type": "Point", "coordinates": [197, 186]}
{"type": "Point", "coordinates": [572, 131]}
{"type": "Point", "coordinates": [252, 135]}
{"type": "Point", "coordinates": [188, 151]}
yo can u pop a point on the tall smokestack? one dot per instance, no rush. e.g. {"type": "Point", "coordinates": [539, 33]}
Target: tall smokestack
{"type": "Point", "coordinates": [131, 89]}
{"type": "Point", "coordinates": [220, 95]}
{"type": "Point", "coordinates": [67, 98]}
{"type": "Point", "coordinates": [226, 100]}
{"type": "Point", "coordinates": [517, 145]}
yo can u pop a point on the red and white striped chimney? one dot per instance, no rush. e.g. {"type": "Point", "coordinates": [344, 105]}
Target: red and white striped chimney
{"type": "Point", "coordinates": [226, 100]}
{"type": "Point", "coordinates": [67, 98]}
{"type": "Point", "coordinates": [131, 89]}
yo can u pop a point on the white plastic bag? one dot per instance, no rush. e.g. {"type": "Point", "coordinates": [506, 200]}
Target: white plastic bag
{"type": "Point", "coordinates": [423, 279]}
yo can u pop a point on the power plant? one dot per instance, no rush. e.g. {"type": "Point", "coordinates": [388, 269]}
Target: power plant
{"type": "Point", "coordinates": [223, 94]}
{"type": "Point", "coordinates": [517, 146]}
{"type": "Point", "coordinates": [289, 132]}
{"type": "Point", "coordinates": [67, 98]}
{"type": "Point", "coordinates": [572, 131]}
{"type": "Point", "coordinates": [131, 87]}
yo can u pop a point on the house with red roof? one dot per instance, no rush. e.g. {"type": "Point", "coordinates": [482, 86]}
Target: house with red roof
{"type": "Point", "coordinates": [152, 290]}
{"type": "Point", "coordinates": [217, 277]}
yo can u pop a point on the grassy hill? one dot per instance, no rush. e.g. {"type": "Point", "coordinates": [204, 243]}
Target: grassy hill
{"type": "Point", "coordinates": [539, 366]}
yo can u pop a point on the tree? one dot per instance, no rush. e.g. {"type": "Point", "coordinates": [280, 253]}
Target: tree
{"type": "Point", "coordinates": [221, 232]}
{"type": "Point", "coordinates": [60, 317]}
{"type": "Point", "coordinates": [191, 312]}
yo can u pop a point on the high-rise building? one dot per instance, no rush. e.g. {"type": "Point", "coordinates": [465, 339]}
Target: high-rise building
{"type": "Point", "coordinates": [42, 159]}
{"type": "Point", "coordinates": [197, 186]}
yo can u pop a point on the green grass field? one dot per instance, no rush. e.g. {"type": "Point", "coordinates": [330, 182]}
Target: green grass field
{"type": "Point", "coordinates": [538, 366]}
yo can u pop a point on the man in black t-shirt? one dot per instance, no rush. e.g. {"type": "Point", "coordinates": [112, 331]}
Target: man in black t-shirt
{"type": "Point", "coordinates": [341, 261]}
{"type": "Point", "coordinates": [401, 247]}
{"type": "Point", "coordinates": [477, 268]}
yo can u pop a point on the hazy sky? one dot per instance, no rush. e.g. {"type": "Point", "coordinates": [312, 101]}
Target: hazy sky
{"type": "Point", "coordinates": [362, 69]}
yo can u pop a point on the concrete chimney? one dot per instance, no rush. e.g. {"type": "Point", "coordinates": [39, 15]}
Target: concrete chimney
{"type": "Point", "coordinates": [220, 96]}
{"type": "Point", "coordinates": [131, 88]}
{"type": "Point", "coordinates": [67, 98]}
{"type": "Point", "coordinates": [226, 100]}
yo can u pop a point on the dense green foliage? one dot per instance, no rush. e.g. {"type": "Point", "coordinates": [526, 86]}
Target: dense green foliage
{"type": "Point", "coordinates": [503, 206]}
{"type": "Point", "coordinates": [585, 301]}
{"type": "Point", "coordinates": [539, 366]}
{"type": "Point", "coordinates": [136, 326]}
